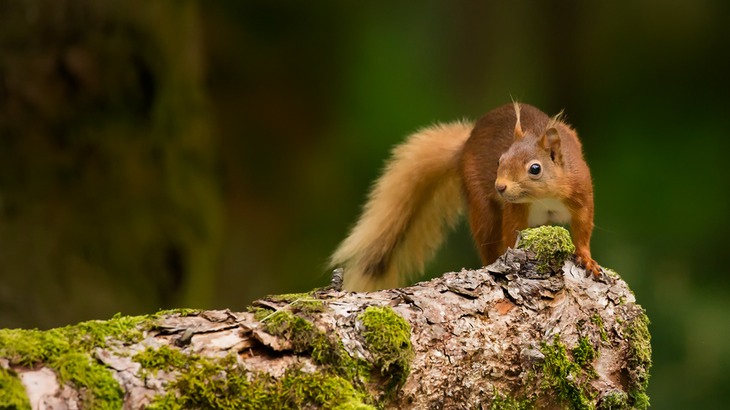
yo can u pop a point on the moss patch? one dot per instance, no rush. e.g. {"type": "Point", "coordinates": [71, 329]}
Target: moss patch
{"type": "Point", "coordinates": [259, 313]}
{"type": "Point", "coordinates": [639, 359]}
{"type": "Point", "coordinates": [202, 383]}
{"type": "Point", "coordinates": [27, 347]}
{"type": "Point", "coordinates": [324, 350]}
{"type": "Point", "coordinates": [564, 377]}
{"type": "Point", "coordinates": [322, 390]}
{"type": "Point", "coordinates": [298, 331]}
{"type": "Point", "coordinates": [505, 402]}
{"type": "Point", "coordinates": [305, 338]}
{"type": "Point", "coordinates": [12, 392]}
{"type": "Point", "coordinates": [289, 297]}
{"type": "Point", "coordinates": [67, 350]}
{"type": "Point", "coordinates": [98, 388]}
{"type": "Point", "coordinates": [223, 384]}
{"type": "Point", "coordinates": [550, 244]}
{"type": "Point", "coordinates": [307, 306]}
{"type": "Point", "coordinates": [584, 354]}
{"type": "Point", "coordinates": [183, 312]}
{"type": "Point", "coordinates": [615, 400]}
{"type": "Point", "coordinates": [164, 357]}
{"type": "Point", "coordinates": [299, 302]}
{"type": "Point", "coordinates": [388, 338]}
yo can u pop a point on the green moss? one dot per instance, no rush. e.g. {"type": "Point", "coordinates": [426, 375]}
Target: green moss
{"type": "Point", "coordinates": [307, 306]}
{"type": "Point", "coordinates": [614, 400]}
{"type": "Point", "coordinates": [323, 349]}
{"type": "Point", "coordinates": [301, 333]}
{"type": "Point", "coordinates": [259, 313]}
{"type": "Point", "coordinates": [306, 338]}
{"type": "Point", "coordinates": [388, 338]}
{"type": "Point", "coordinates": [357, 370]}
{"type": "Point", "coordinates": [504, 402]}
{"type": "Point", "coordinates": [639, 359]}
{"type": "Point", "coordinates": [563, 376]}
{"type": "Point", "coordinates": [340, 383]}
{"type": "Point", "coordinates": [87, 335]}
{"type": "Point", "coordinates": [67, 350]}
{"type": "Point", "coordinates": [299, 302]}
{"type": "Point", "coordinates": [98, 387]}
{"type": "Point", "coordinates": [12, 392]}
{"type": "Point", "coordinates": [289, 297]}
{"type": "Point", "coordinates": [201, 384]}
{"type": "Point", "coordinates": [639, 339]}
{"type": "Point", "coordinates": [298, 331]}
{"type": "Point", "coordinates": [27, 347]}
{"type": "Point", "coordinates": [163, 358]}
{"type": "Point", "coordinates": [639, 399]}
{"type": "Point", "coordinates": [584, 354]}
{"type": "Point", "coordinates": [550, 244]}
{"type": "Point", "coordinates": [301, 389]}
{"type": "Point", "coordinates": [183, 312]}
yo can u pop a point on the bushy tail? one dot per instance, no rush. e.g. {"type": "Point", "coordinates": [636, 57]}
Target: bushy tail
{"type": "Point", "coordinates": [408, 212]}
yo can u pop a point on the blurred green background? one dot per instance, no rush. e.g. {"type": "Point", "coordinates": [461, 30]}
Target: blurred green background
{"type": "Point", "coordinates": [204, 154]}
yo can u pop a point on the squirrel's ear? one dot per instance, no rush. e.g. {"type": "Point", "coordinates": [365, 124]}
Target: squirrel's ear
{"type": "Point", "coordinates": [550, 141]}
{"type": "Point", "coordinates": [518, 127]}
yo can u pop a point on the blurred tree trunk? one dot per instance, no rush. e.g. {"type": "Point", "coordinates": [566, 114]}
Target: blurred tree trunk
{"type": "Point", "coordinates": [108, 191]}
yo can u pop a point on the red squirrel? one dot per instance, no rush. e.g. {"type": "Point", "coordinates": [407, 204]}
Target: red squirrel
{"type": "Point", "coordinates": [514, 168]}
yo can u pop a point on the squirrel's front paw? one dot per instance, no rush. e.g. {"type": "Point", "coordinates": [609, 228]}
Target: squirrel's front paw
{"type": "Point", "coordinates": [584, 260]}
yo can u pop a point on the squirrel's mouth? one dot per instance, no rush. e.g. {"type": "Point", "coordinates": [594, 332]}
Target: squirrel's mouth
{"type": "Point", "coordinates": [515, 197]}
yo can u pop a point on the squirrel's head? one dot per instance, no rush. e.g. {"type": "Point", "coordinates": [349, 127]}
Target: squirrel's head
{"type": "Point", "coordinates": [532, 168]}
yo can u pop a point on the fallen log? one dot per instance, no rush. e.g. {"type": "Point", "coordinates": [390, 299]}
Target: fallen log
{"type": "Point", "coordinates": [532, 330]}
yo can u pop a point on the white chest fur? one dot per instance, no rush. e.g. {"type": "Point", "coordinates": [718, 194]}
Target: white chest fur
{"type": "Point", "coordinates": [548, 211]}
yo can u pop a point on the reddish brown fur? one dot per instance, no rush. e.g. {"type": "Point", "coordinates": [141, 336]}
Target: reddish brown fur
{"type": "Point", "coordinates": [494, 220]}
{"type": "Point", "coordinates": [418, 197]}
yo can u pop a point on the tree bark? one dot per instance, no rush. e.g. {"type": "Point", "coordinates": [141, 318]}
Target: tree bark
{"type": "Point", "coordinates": [505, 336]}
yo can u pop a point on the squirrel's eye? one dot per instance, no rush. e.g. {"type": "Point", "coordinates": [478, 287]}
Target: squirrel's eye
{"type": "Point", "coordinates": [535, 169]}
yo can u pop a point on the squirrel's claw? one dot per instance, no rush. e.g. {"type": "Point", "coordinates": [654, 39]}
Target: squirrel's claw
{"type": "Point", "coordinates": [590, 265]}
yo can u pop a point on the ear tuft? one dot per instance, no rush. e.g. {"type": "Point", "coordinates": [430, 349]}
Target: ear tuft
{"type": "Point", "coordinates": [518, 126]}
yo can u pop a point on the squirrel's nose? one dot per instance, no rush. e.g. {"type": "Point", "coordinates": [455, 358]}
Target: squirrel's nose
{"type": "Point", "coordinates": [500, 187]}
